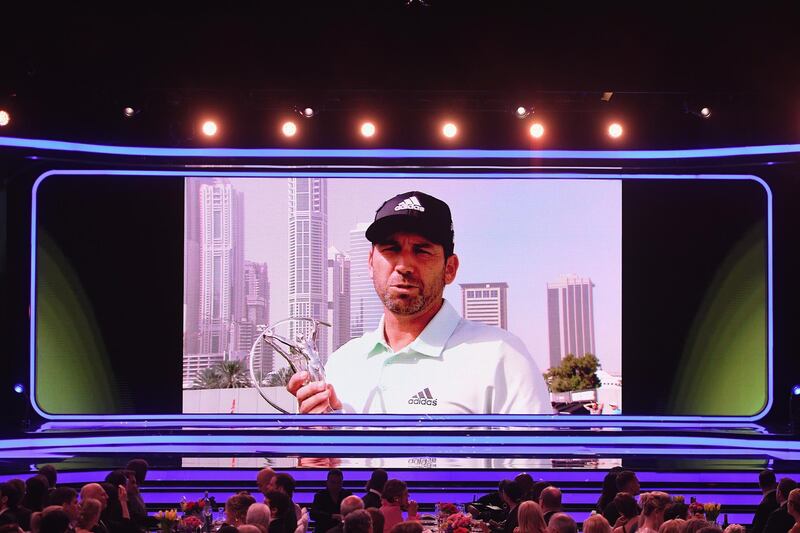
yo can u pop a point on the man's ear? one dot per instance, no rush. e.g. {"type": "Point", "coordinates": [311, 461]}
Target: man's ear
{"type": "Point", "coordinates": [450, 269]}
{"type": "Point", "coordinates": [369, 260]}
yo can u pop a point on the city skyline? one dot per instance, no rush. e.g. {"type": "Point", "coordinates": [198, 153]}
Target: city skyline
{"type": "Point", "coordinates": [596, 232]}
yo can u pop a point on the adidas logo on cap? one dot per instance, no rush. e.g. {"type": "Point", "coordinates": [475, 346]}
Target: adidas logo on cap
{"type": "Point", "coordinates": [423, 397]}
{"type": "Point", "coordinates": [410, 203]}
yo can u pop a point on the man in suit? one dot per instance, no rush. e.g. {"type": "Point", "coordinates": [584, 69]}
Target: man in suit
{"type": "Point", "coordinates": [780, 521]}
{"type": "Point", "coordinates": [768, 484]}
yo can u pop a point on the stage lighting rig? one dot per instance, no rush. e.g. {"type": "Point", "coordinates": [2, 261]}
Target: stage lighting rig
{"type": "Point", "coordinates": [523, 111]}
{"type": "Point", "coordinates": [306, 111]}
{"type": "Point", "coordinates": [129, 112]}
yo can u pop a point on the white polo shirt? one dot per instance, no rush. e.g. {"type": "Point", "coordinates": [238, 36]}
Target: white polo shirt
{"type": "Point", "coordinates": [453, 367]}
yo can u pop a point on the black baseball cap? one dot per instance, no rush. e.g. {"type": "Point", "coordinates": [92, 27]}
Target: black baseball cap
{"type": "Point", "coordinates": [416, 212]}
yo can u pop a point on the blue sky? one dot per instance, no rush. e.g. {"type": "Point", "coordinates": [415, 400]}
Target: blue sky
{"type": "Point", "coordinates": [524, 232]}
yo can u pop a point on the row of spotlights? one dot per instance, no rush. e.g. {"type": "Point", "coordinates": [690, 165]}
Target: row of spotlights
{"type": "Point", "coordinates": [368, 129]}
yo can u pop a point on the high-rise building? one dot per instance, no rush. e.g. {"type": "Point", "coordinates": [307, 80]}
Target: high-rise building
{"type": "Point", "coordinates": [191, 264]}
{"type": "Point", "coordinates": [366, 309]}
{"type": "Point", "coordinates": [339, 298]}
{"type": "Point", "coordinates": [256, 283]}
{"type": "Point", "coordinates": [308, 256]}
{"type": "Point", "coordinates": [570, 317]}
{"type": "Point", "coordinates": [222, 301]}
{"type": "Point", "coordinates": [486, 303]}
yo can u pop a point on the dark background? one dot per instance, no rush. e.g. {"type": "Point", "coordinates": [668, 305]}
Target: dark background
{"type": "Point", "coordinates": [68, 71]}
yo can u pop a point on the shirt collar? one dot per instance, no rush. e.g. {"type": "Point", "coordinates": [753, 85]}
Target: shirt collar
{"type": "Point", "coordinates": [430, 342]}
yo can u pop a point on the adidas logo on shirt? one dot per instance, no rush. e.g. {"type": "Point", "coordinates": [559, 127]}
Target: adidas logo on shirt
{"type": "Point", "coordinates": [410, 203]}
{"type": "Point", "coordinates": [423, 397]}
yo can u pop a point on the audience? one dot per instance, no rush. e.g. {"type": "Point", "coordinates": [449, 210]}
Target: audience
{"type": "Point", "coordinates": [258, 514]}
{"type": "Point", "coordinates": [50, 473]}
{"type": "Point", "coordinates": [628, 511]}
{"type": "Point", "coordinates": [236, 508]}
{"type": "Point", "coordinates": [357, 521]}
{"type": "Point", "coordinates": [626, 482]}
{"type": "Point", "coordinates": [6, 516]}
{"type": "Point", "coordinates": [550, 501]}
{"type": "Point", "coordinates": [694, 525]}
{"type": "Point", "coordinates": [325, 510]}
{"type": "Point", "coordinates": [768, 485]}
{"type": "Point", "coordinates": [108, 507]}
{"type": "Point", "coordinates": [793, 507]}
{"type": "Point", "coordinates": [653, 506]}
{"type": "Point", "coordinates": [285, 483]}
{"type": "Point", "coordinates": [88, 515]}
{"type": "Point", "coordinates": [36, 489]}
{"type": "Point", "coordinates": [377, 519]}
{"type": "Point", "coordinates": [780, 521]}
{"type": "Point", "coordinates": [512, 495]}
{"type": "Point", "coordinates": [67, 498]}
{"type": "Point", "coordinates": [525, 482]}
{"type": "Point", "coordinates": [394, 501]}
{"type": "Point", "coordinates": [372, 499]}
{"type": "Point", "coordinates": [54, 521]}
{"type": "Point", "coordinates": [562, 523]}
{"type": "Point", "coordinates": [676, 510]}
{"type": "Point", "coordinates": [407, 527]}
{"type": "Point", "coordinates": [674, 525]}
{"type": "Point", "coordinates": [530, 518]}
{"type": "Point", "coordinates": [349, 504]}
{"type": "Point", "coordinates": [263, 479]}
{"type": "Point", "coordinates": [284, 519]}
{"type": "Point", "coordinates": [596, 524]}
{"type": "Point", "coordinates": [609, 489]}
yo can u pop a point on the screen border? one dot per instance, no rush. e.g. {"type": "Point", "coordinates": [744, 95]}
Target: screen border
{"type": "Point", "coordinates": [366, 419]}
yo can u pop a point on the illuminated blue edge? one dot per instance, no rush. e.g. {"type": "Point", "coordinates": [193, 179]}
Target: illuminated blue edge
{"type": "Point", "coordinates": [64, 146]}
{"type": "Point", "coordinates": [364, 419]}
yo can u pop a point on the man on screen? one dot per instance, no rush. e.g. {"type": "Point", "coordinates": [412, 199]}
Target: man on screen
{"type": "Point", "coordinates": [423, 357]}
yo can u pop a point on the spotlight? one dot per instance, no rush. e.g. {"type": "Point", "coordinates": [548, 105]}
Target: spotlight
{"type": "Point", "coordinates": [209, 128]}
{"type": "Point", "coordinates": [705, 112]}
{"type": "Point", "coordinates": [615, 130]}
{"type": "Point", "coordinates": [128, 112]}
{"type": "Point", "coordinates": [308, 112]}
{"type": "Point", "coordinates": [289, 129]}
{"type": "Point", "coordinates": [796, 390]}
{"type": "Point", "coordinates": [523, 112]}
{"type": "Point", "coordinates": [5, 118]}
{"type": "Point", "coordinates": [449, 130]}
{"type": "Point", "coordinates": [368, 129]}
{"type": "Point", "coordinates": [19, 388]}
{"type": "Point", "coordinates": [537, 130]}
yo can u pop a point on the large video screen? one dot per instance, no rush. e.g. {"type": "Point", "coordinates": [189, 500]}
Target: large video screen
{"type": "Point", "coordinates": [539, 268]}
{"type": "Point", "coordinates": [167, 293]}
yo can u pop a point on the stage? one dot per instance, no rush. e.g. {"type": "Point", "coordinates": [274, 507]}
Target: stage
{"type": "Point", "coordinates": [440, 462]}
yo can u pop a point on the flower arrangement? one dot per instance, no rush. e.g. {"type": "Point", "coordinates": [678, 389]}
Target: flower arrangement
{"type": "Point", "coordinates": [192, 507]}
{"type": "Point", "coordinates": [712, 511]}
{"type": "Point", "coordinates": [457, 523]}
{"type": "Point", "coordinates": [447, 508]}
{"type": "Point", "coordinates": [190, 523]}
{"type": "Point", "coordinates": [697, 509]}
{"type": "Point", "coordinates": [167, 519]}
{"type": "Point", "coordinates": [678, 499]}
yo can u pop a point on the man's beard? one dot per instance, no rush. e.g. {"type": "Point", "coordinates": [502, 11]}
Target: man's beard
{"type": "Point", "coordinates": [411, 305]}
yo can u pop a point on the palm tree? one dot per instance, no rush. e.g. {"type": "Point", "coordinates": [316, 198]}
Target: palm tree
{"type": "Point", "coordinates": [208, 378]}
{"type": "Point", "coordinates": [279, 378]}
{"type": "Point", "coordinates": [233, 374]}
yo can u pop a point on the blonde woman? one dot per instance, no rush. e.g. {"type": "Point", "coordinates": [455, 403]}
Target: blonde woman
{"type": "Point", "coordinates": [530, 518]}
{"type": "Point", "coordinates": [89, 515]}
{"type": "Point", "coordinates": [596, 523]}
{"type": "Point", "coordinates": [653, 506]}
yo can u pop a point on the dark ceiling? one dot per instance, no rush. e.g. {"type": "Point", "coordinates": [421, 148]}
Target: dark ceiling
{"type": "Point", "coordinates": [71, 71]}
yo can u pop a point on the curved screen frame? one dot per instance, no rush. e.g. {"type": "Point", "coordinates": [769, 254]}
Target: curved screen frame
{"type": "Point", "coordinates": [284, 154]}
